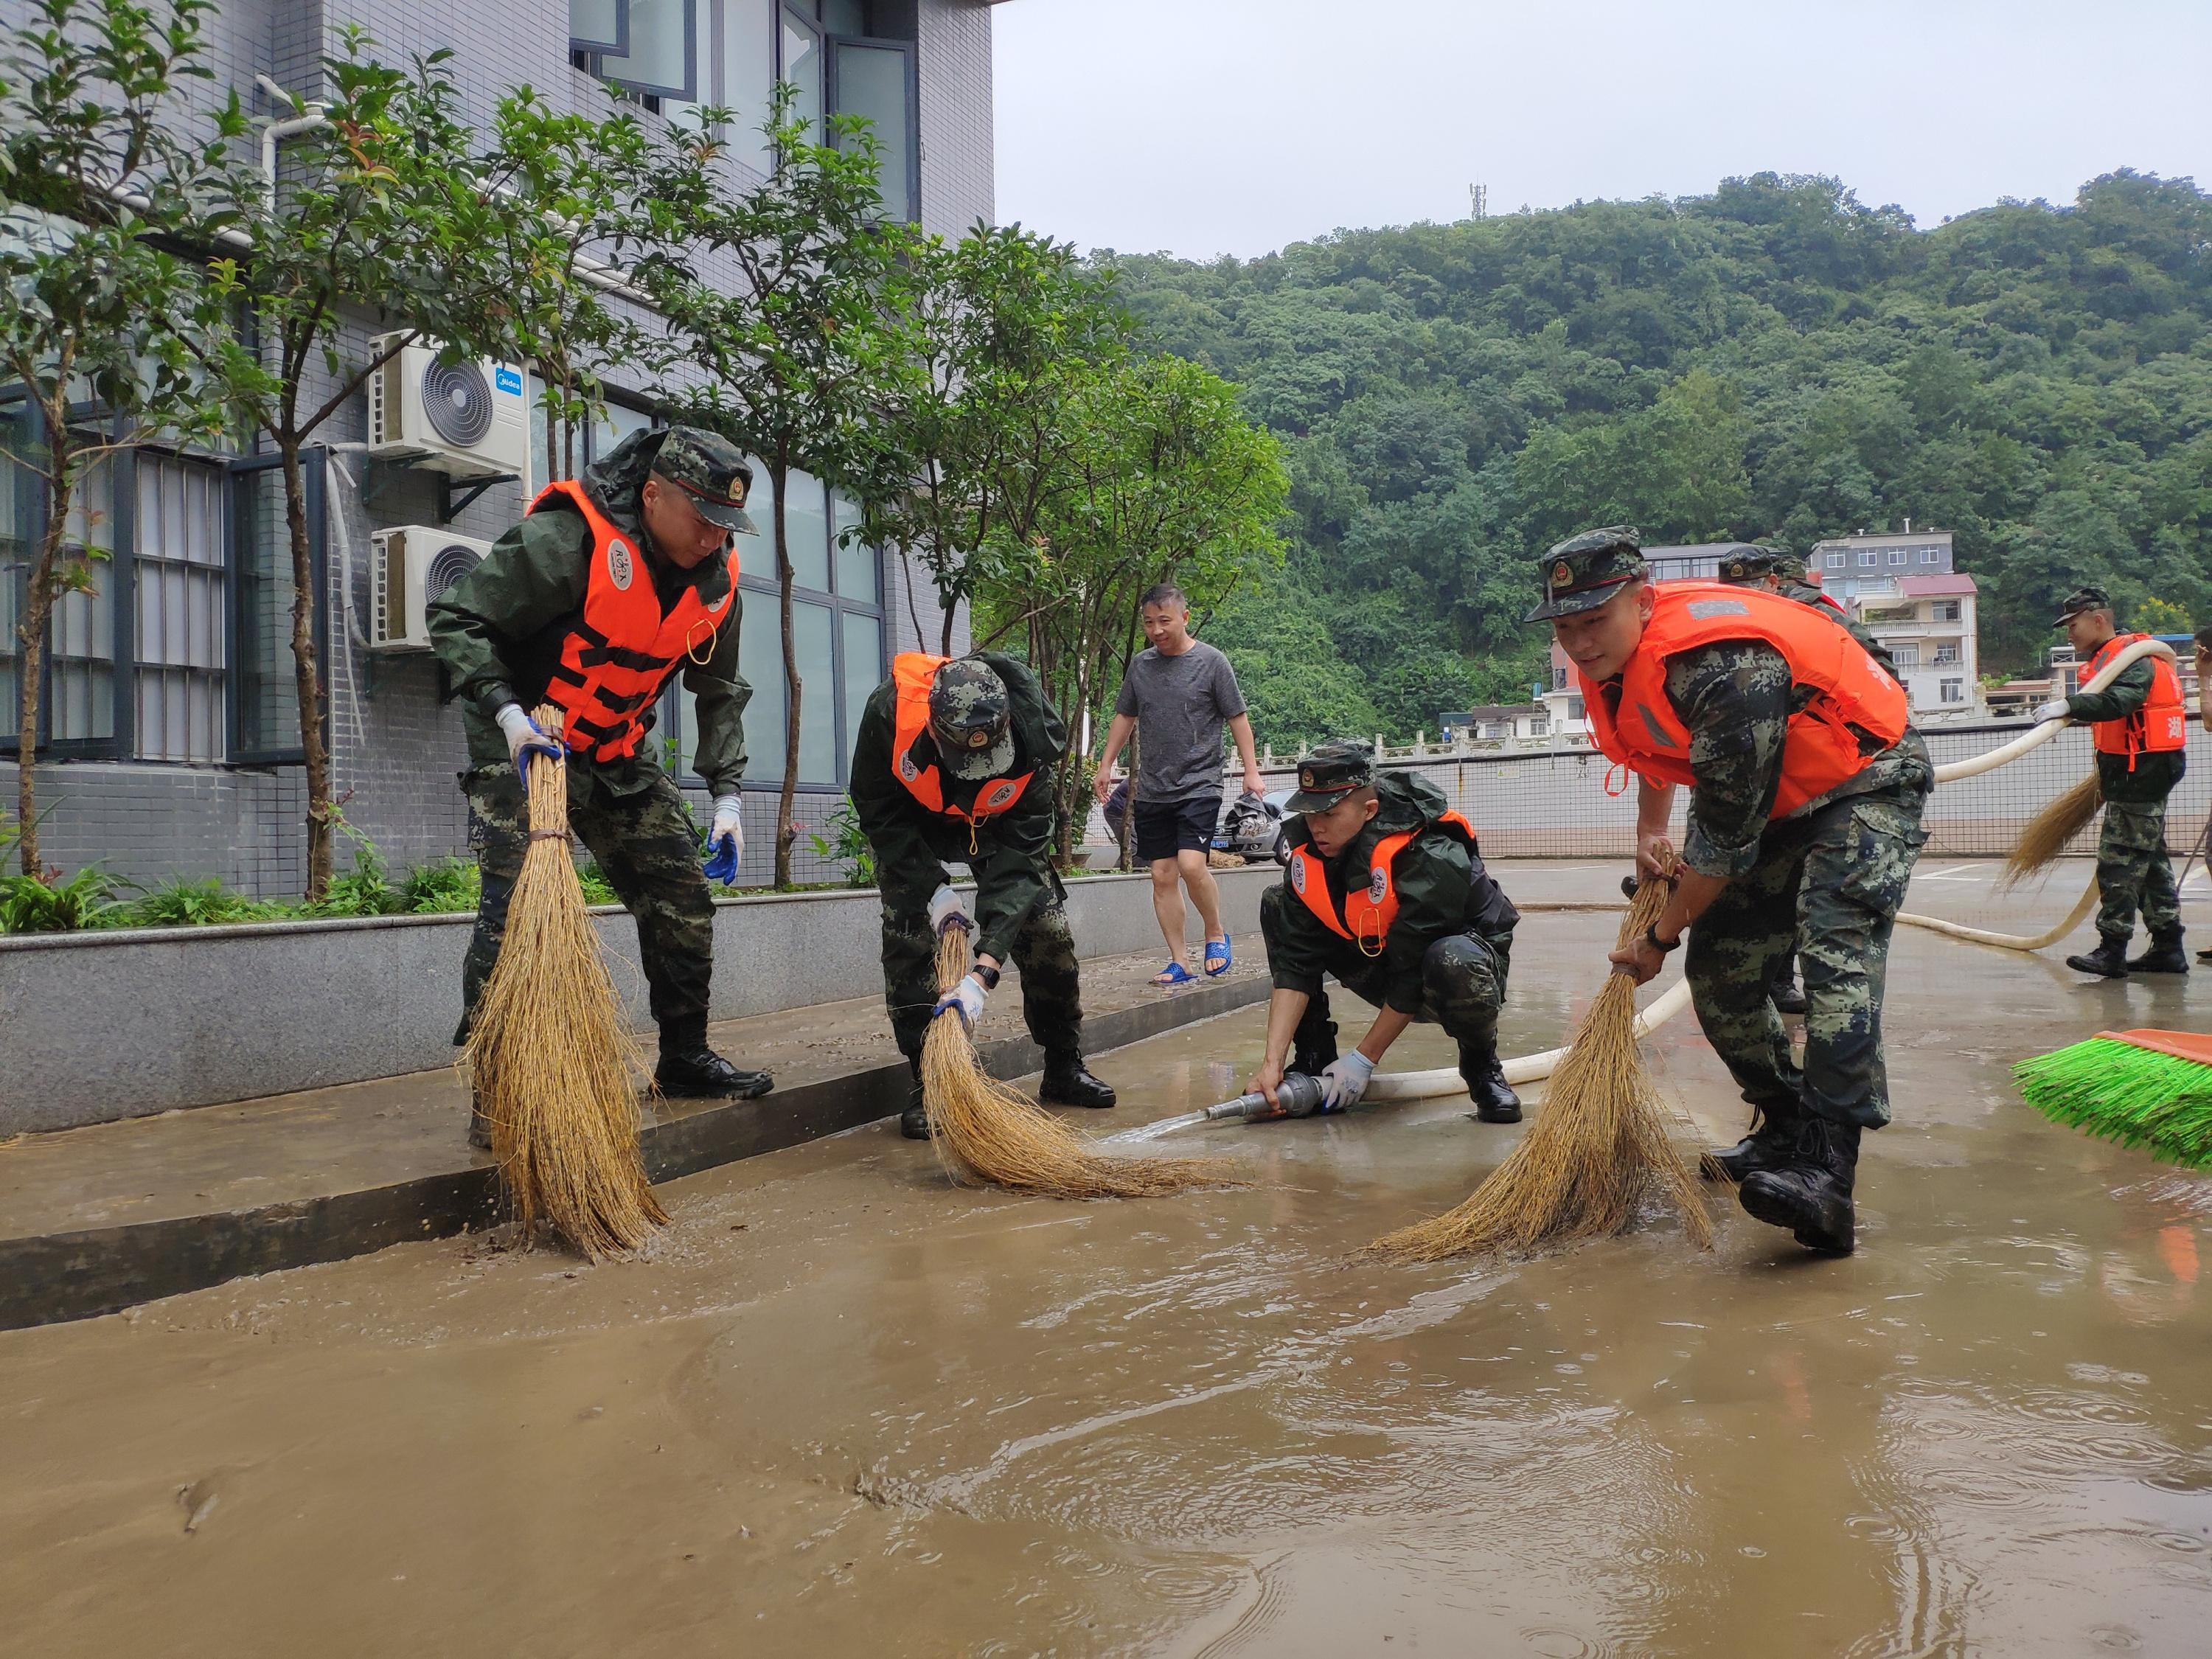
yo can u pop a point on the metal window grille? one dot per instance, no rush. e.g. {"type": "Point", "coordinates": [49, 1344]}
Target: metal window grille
{"type": "Point", "coordinates": [80, 702]}
{"type": "Point", "coordinates": [183, 600]}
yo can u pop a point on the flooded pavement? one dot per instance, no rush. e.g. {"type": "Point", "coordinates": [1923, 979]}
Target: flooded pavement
{"type": "Point", "coordinates": [844, 1409]}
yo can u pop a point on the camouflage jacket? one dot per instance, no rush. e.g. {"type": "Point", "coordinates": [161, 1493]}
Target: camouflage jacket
{"type": "Point", "coordinates": [1441, 889]}
{"type": "Point", "coordinates": [1010, 853]}
{"type": "Point", "coordinates": [1806, 594]}
{"type": "Point", "coordinates": [1737, 697]}
{"type": "Point", "coordinates": [498, 631]}
{"type": "Point", "coordinates": [2154, 775]}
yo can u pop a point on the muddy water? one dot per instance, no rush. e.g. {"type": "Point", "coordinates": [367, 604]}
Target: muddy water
{"type": "Point", "coordinates": [847, 1410]}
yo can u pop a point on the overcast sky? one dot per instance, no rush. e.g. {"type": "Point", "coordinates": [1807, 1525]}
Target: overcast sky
{"type": "Point", "coordinates": [1209, 126]}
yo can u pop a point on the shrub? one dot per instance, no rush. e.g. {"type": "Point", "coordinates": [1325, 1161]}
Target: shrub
{"type": "Point", "coordinates": [45, 904]}
{"type": "Point", "coordinates": [441, 887]}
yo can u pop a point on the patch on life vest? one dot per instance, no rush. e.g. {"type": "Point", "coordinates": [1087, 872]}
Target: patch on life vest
{"type": "Point", "coordinates": [619, 565]}
{"type": "Point", "coordinates": [907, 768]}
{"type": "Point", "coordinates": [1378, 884]}
{"type": "Point", "coordinates": [997, 795]}
{"type": "Point", "coordinates": [1702, 609]}
{"type": "Point", "coordinates": [1298, 876]}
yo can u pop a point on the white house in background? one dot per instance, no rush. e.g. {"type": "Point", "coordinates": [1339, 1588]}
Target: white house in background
{"type": "Point", "coordinates": [1518, 720]}
{"type": "Point", "coordinates": [1563, 699]}
{"type": "Point", "coordinates": [1904, 589]}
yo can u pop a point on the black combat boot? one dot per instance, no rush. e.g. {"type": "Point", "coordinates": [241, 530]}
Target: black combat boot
{"type": "Point", "coordinates": [913, 1122]}
{"type": "Point", "coordinates": [1069, 1082]}
{"type": "Point", "coordinates": [2108, 960]}
{"type": "Point", "coordinates": [1485, 1077]}
{"type": "Point", "coordinates": [1311, 1062]}
{"type": "Point", "coordinates": [1773, 1134]}
{"type": "Point", "coordinates": [688, 1067]}
{"type": "Point", "coordinates": [2164, 955]}
{"type": "Point", "coordinates": [1810, 1193]}
{"type": "Point", "coordinates": [479, 1127]}
{"type": "Point", "coordinates": [1786, 995]}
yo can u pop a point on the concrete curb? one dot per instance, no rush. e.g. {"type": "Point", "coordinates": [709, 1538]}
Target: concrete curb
{"type": "Point", "coordinates": [46, 1279]}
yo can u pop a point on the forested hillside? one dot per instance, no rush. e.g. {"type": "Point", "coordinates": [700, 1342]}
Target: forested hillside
{"type": "Point", "coordinates": [1774, 360]}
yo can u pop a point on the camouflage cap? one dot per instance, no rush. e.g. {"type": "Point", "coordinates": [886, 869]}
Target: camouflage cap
{"type": "Point", "coordinates": [2081, 599]}
{"type": "Point", "coordinates": [1330, 771]}
{"type": "Point", "coordinates": [1790, 566]}
{"type": "Point", "coordinates": [713, 476]}
{"type": "Point", "coordinates": [1745, 565]}
{"type": "Point", "coordinates": [972, 719]}
{"type": "Point", "coordinates": [1585, 571]}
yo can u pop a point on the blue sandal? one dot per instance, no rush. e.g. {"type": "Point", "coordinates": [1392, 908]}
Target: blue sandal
{"type": "Point", "coordinates": [1217, 956]}
{"type": "Point", "coordinates": [1174, 974]}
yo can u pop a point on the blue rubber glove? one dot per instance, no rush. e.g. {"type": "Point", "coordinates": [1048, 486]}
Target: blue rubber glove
{"type": "Point", "coordinates": [946, 910]}
{"type": "Point", "coordinates": [966, 999]}
{"type": "Point", "coordinates": [1344, 1081]}
{"type": "Point", "coordinates": [524, 738]}
{"type": "Point", "coordinates": [726, 842]}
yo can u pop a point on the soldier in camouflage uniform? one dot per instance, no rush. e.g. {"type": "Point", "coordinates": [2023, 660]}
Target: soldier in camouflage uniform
{"type": "Point", "coordinates": [504, 633]}
{"type": "Point", "coordinates": [2138, 770]}
{"type": "Point", "coordinates": [1386, 890]}
{"type": "Point", "coordinates": [1829, 871]}
{"type": "Point", "coordinates": [953, 764]}
{"type": "Point", "coordinates": [1778, 571]}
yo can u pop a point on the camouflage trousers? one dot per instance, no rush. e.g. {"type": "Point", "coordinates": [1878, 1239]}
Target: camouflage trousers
{"type": "Point", "coordinates": [648, 852]}
{"type": "Point", "coordinates": [1829, 884]}
{"type": "Point", "coordinates": [2133, 869]}
{"type": "Point", "coordinates": [1044, 951]}
{"type": "Point", "coordinates": [1463, 984]}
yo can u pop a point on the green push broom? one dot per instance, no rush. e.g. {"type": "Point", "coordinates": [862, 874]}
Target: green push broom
{"type": "Point", "coordinates": [2147, 1088]}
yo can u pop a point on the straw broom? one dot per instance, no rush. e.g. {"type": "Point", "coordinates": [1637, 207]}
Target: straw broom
{"type": "Point", "coordinates": [2050, 830]}
{"type": "Point", "coordinates": [553, 1060]}
{"type": "Point", "coordinates": [986, 1132]}
{"type": "Point", "coordinates": [1598, 1151]}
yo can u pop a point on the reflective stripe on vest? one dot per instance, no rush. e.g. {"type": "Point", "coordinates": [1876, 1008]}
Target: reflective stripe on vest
{"type": "Point", "coordinates": [621, 652]}
{"type": "Point", "coordinates": [913, 673]}
{"type": "Point", "coordinates": [1368, 912]}
{"type": "Point", "coordinates": [2160, 727]}
{"type": "Point", "coordinates": [1821, 751]}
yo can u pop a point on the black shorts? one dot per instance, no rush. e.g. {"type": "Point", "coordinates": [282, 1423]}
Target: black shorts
{"type": "Point", "coordinates": [1166, 828]}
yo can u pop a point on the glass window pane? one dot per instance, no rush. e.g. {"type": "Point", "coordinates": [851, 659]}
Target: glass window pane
{"type": "Point", "coordinates": [802, 67]}
{"type": "Point", "coordinates": [749, 76]}
{"type": "Point", "coordinates": [872, 82]}
{"type": "Point", "coordinates": [268, 712]}
{"type": "Point", "coordinates": [661, 57]}
{"type": "Point", "coordinates": [760, 659]}
{"type": "Point", "coordinates": [811, 633]}
{"type": "Point", "coordinates": [600, 24]}
{"type": "Point", "coordinates": [863, 667]}
{"type": "Point", "coordinates": [806, 527]}
{"type": "Point", "coordinates": [856, 561]}
{"type": "Point", "coordinates": [845, 16]}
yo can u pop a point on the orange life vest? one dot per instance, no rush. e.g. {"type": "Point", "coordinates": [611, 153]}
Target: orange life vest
{"type": "Point", "coordinates": [2160, 726]}
{"type": "Point", "coordinates": [914, 672]}
{"type": "Point", "coordinates": [622, 650]}
{"type": "Point", "coordinates": [1645, 734]}
{"type": "Point", "coordinates": [1369, 910]}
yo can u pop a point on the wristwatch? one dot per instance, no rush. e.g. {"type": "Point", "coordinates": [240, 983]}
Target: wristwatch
{"type": "Point", "coordinates": [987, 977]}
{"type": "Point", "coordinates": [1651, 938]}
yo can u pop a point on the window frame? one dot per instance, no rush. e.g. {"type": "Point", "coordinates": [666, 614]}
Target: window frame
{"type": "Point", "coordinates": [619, 45]}
{"type": "Point", "coordinates": [222, 501]}
{"type": "Point", "coordinates": [686, 94]}
{"type": "Point", "coordinates": [833, 104]}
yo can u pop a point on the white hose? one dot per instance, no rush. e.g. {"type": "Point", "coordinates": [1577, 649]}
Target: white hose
{"type": "Point", "coordinates": [1531, 1068]}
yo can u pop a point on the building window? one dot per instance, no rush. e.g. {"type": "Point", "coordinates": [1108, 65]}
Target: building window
{"type": "Point", "coordinates": [1558, 679]}
{"type": "Point", "coordinates": [1946, 610]}
{"type": "Point", "coordinates": [1539, 728]}
{"type": "Point", "coordinates": [650, 47]}
{"type": "Point", "coordinates": [1931, 555]}
{"type": "Point", "coordinates": [1898, 556]}
{"type": "Point", "coordinates": [837, 636]}
{"type": "Point", "coordinates": [1905, 656]}
{"type": "Point", "coordinates": [1574, 708]}
{"type": "Point", "coordinates": [1951, 690]}
{"type": "Point", "coordinates": [1868, 558]}
{"type": "Point", "coordinates": [1837, 561]}
{"type": "Point", "coordinates": [182, 607]}
{"type": "Point", "coordinates": [1946, 656]}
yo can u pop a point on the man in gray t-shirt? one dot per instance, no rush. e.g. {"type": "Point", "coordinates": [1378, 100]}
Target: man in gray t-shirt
{"type": "Point", "coordinates": [1177, 696]}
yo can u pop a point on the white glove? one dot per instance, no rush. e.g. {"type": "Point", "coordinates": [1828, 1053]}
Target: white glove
{"type": "Point", "coordinates": [2056, 709]}
{"type": "Point", "coordinates": [966, 1000]}
{"type": "Point", "coordinates": [1343, 1080]}
{"type": "Point", "coordinates": [524, 738]}
{"type": "Point", "coordinates": [946, 910]}
{"type": "Point", "coordinates": [729, 821]}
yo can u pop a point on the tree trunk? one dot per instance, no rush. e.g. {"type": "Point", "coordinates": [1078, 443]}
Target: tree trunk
{"type": "Point", "coordinates": [951, 604]}
{"type": "Point", "coordinates": [306, 676]}
{"type": "Point", "coordinates": [780, 476]}
{"type": "Point", "coordinates": [31, 637]}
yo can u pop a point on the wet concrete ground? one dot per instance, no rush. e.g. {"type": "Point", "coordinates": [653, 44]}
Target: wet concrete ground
{"type": "Point", "coordinates": [846, 1408]}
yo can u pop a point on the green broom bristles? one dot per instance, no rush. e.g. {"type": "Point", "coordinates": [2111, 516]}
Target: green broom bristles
{"type": "Point", "coordinates": [2118, 1091]}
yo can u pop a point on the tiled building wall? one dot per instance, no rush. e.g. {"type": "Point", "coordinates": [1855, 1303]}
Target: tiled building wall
{"type": "Point", "coordinates": [396, 749]}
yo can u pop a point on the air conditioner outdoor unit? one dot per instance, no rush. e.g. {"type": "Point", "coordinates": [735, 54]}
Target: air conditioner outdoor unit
{"type": "Point", "coordinates": [468, 420]}
{"type": "Point", "coordinates": [409, 568]}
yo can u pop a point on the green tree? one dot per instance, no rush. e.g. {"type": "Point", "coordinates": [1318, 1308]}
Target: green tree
{"type": "Point", "coordinates": [94, 181]}
{"type": "Point", "coordinates": [787, 359]}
